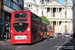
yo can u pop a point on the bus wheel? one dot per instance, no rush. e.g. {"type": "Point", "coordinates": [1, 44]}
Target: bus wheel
{"type": "Point", "coordinates": [34, 40]}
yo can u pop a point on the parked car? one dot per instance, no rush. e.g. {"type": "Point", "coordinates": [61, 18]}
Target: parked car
{"type": "Point", "coordinates": [59, 34]}
{"type": "Point", "coordinates": [66, 35]}
{"type": "Point", "coordinates": [71, 35]}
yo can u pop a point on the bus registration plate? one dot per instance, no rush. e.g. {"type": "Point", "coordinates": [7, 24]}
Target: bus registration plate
{"type": "Point", "coordinates": [20, 37]}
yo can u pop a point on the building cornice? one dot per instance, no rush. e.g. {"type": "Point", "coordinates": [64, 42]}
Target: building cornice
{"type": "Point", "coordinates": [53, 1]}
{"type": "Point", "coordinates": [62, 18]}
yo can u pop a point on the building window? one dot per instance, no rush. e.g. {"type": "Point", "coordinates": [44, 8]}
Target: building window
{"type": "Point", "coordinates": [53, 13]}
{"type": "Point", "coordinates": [47, 1]}
{"type": "Point", "coordinates": [65, 26]}
{"type": "Point", "coordinates": [42, 12]}
{"type": "Point", "coordinates": [12, 4]}
{"type": "Point", "coordinates": [27, 5]}
{"type": "Point", "coordinates": [65, 14]}
{"type": "Point", "coordinates": [7, 2]}
{"type": "Point", "coordinates": [42, 1]}
{"type": "Point", "coordinates": [20, 1]}
{"type": "Point", "coordinates": [15, 6]}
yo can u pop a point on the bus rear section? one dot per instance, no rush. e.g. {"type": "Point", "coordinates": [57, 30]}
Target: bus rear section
{"type": "Point", "coordinates": [44, 30]}
{"type": "Point", "coordinates": [49, 30]}
{"type": "Point", "coordinates": [20, 27]}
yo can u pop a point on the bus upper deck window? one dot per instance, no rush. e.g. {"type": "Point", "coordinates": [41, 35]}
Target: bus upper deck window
{"type": "Point", "coordinates": [48, 27]}
{"type": "Point", "coordinates": [20, 15]}
{"type": "Point", "coordinates": [33, 18]}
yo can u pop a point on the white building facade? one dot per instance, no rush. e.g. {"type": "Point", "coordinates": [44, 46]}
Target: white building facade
{"type": "Point", "coordinates": [60, 15]}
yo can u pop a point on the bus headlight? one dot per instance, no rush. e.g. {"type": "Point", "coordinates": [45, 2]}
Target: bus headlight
{"type": "Point", "coordinates": [28, 29]}
{"type": "Point", "coordinates": [11, 31]}
{"type": "Point", "coordinates": [47, 33]}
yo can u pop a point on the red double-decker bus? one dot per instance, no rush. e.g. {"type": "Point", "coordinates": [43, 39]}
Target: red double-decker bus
{"type": "Point", "coordinates": [50, 30]}
{"type": "Point", "coordinates": [25, 27]}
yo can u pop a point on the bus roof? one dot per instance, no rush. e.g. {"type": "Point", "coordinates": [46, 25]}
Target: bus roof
{"type": "Point", "coordinates": [35, 14]}
{"type": "Point", "coordinates": [25, 11]}
{"type": "Point", "coordinates": [43, 22]}
{"type": "Point", "coordinates": [49, 25]}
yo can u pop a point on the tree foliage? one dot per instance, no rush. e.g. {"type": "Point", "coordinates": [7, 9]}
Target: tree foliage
{"type": "Point", "coordinates": [45, 20]}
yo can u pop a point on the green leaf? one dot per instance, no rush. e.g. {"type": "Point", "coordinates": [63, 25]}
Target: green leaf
{"type": "Point", "coordinates": [45, 20]}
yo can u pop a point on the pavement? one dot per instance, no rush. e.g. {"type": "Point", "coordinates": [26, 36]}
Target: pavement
{"type": "Point", "coordinates": [73, 39]}
{"type": "Point", "coordinates": [2, 42]}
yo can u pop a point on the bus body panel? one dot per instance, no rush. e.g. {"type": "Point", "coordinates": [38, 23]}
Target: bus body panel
{"type": "Point", "coordinates": [35, 36]}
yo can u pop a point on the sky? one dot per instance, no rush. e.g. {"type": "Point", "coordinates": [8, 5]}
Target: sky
{"type": "Point", "coordinates": [61, 1]}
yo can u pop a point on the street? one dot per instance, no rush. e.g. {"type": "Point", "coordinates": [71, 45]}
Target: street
{"type": "Point", "coordinates": [53, 44]}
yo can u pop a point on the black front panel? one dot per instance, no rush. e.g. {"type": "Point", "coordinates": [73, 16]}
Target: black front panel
{"type": "Point", "coordinates": [16, 20]}
{"type": "Point", "coordinates": [20, 15]}
{"type": "Point", "coordinates": [20, 27]}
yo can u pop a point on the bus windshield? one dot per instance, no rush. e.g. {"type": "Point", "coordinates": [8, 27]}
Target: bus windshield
{"type": "Point", "coordinates": [20, 27]}
{"type": "Point", "coordinates": [49, 31]}
{"type": "Point", "coordinates": [48, 27]}
{"type": "Point", "coordinates": [20, 15]}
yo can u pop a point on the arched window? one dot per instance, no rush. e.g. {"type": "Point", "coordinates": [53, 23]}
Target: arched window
{"type": "Point", "coordinates": [29, 5]}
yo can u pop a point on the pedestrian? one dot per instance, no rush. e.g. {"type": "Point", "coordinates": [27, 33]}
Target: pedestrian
{"type": "Point", "coordinates": [48, 35]}
{"type": "Point", "coordinates": [3, 36]}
